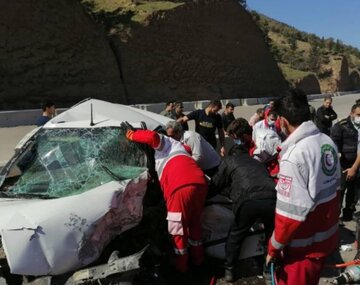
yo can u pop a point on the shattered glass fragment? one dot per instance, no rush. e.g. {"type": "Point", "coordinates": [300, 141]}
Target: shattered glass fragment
{"type": "Point", "coordinates": [63, 162]}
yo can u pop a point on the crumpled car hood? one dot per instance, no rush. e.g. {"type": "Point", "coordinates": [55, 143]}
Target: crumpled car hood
{"type": "Point", "coordinates": [42, 237]}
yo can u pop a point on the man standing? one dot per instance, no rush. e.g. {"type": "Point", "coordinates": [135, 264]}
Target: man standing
{"type": "Point", "coordinates": [168, 111]}
{"type": "Point", "coordinates": [307, 207]}
{"type": "Point", "coordinates": [346, 135]}
{"type": "Point", "coordinates": [201, 151]}
{"type": "Point", "coordinates": [184, 188]}
{"type": "Point", "coordinates": [325, 115]}
{"type": "Point", "coordinates": [228, 115]}
{"type": "Point", "coordinates": [206, 122]}
{"type": "Point", "coordinates": [178, 112]}
{"type": "Point", "coordinates": [48, 112]}
{"type": "Point", "coordinates": [258, 116]}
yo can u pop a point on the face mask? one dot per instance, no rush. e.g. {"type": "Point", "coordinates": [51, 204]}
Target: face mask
{"type": "Point", "coordinates": [271, 123]}
{"type": "Point", "coordinates": [238, 142]}
{"type": "Point", "coordinates": [356, 121]}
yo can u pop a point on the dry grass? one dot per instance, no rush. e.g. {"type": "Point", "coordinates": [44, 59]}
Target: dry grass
{"type": "Point", "coordinates": [292, 74]}
{"type": "Point", "coordinates": [141, 9]}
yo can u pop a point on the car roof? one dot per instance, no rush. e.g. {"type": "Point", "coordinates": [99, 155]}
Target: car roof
{"type": "Point", "coordinates": [105, 114]}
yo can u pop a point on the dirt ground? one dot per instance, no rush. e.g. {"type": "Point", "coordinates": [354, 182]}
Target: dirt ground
{"type": "Point", "coordinates": [250, 270]}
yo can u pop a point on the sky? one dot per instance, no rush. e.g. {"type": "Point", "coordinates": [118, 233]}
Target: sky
{"type": "Point", "coordinates": [326, 18]}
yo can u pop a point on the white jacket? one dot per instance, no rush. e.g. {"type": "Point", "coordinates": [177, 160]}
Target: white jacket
{"type": "Point", "coordinates": [310, 159]}
{"type": "Point", "coordinates": [307, 207]}
{"type": "Point", "coordinates": [202, 152]}
{"type": "Point", "coordinates": [267, 143]}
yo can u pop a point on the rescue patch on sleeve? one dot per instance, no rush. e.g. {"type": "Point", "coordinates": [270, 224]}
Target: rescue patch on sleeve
{"type": "Point", "coordinates": [284, 185]}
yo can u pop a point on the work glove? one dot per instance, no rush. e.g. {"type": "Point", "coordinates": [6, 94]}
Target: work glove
{"type": "Point", "coordinates": [126, 126]}
{"type": "Point", "coordinates": [129, 134]}
{"type": "Point", "coordinates": [128, 130]}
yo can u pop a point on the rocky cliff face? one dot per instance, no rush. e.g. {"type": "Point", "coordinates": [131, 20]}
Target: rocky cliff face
{"type": "Point", "coordinates": [339, 80]}
{"type": "Point", "coordinates": [341, 73]}
{"type": "Point", "coordinates": [201, 50]}
{"type": "Point", "coordinates": [355, 80]}
{"type": "Point", "coordinates": [309, 84]}
{"type": "Point", "coordinates": [52, 49]}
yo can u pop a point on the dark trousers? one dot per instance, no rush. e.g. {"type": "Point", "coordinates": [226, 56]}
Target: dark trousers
{"type": "Point", "coordinates": [246, 216]}
{"type": "Point", "coordinates": [348, 190]}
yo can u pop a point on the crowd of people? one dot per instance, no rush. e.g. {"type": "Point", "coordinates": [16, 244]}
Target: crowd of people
{"type": "Point", "coordinates": [288, 167]}
{"type": "Point", "coordinates": [283, 169]}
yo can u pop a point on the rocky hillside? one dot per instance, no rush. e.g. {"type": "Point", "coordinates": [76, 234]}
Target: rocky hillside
{"type": "Point", "coordinates": [308, 61]}
{"type": "Point", "coordinates": [131, 52]}
{"type": "Point", "coordinates": [52, 49]}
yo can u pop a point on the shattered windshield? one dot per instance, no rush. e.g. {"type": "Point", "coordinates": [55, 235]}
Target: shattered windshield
{"type": "Point", "coordinates": [63, 162]}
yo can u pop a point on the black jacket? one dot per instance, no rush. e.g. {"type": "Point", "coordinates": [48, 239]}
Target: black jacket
{"type": "Point", "coordinates": [241, 178]}
{"type": "Point", "coordinates": [345, 137]}
{"type": "Point", "coordinates": [324, 118]}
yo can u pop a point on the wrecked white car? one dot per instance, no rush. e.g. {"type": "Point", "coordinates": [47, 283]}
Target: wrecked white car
{"type": "Point", "coordinates": [77, 183]}
{"type": "Point", "coordinates": [71, 187]}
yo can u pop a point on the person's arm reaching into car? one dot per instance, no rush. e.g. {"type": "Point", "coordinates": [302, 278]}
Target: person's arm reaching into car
{"type": "Point", "coordinates": [148, 137]}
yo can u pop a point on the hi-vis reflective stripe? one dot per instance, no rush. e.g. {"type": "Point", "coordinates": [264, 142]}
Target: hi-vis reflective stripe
{"type": "Point", "coordinates": [291, 210]}
{"type": "Point", "coordinates": [194, 242]}
{"type": "Point", "coordinates": [180, 251]}
{"type": "Point", "coordinates": [275, 243]}
{"type": "Point", "coordinates": [165, 160]}
{"type": "Point", "coordinates": [318, 237]}
{"type": "Point", "coordinates": [299, 213]}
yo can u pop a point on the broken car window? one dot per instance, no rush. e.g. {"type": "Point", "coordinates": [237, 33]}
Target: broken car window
{"type": "Point", "coordinates": [63, 162]}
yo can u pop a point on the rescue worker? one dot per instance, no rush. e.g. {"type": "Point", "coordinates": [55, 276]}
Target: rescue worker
{"type": "Point", "coordinates": [246, 182]}
{"type": "Point", "coordinates": [184, 188]}
{"type": "Point", "coordinates": [201, 151]}
{"type": "Point", "coordinates": [346, 135]}
{"type": "Point", "coordinates": [307, 212]}
{"type": "Point", "coordinates": [325, 115]}
{"type": "Point", "coordinates": [265, 149]}
{"type": "Point", "coordinates": [270, 121]}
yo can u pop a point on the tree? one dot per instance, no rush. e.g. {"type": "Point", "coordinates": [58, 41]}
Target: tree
{"type": "Point", "coordinates": [339, 47]}
{"type": "Point", "coordinates": [322, 43]}
{"type": "Point", "coordinates": [313, 60]}
{"type": "Point", "coordinates": [292, 42]}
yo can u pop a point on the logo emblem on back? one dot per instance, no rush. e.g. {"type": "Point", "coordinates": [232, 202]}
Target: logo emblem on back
{"type": "Point", "coordinates": [328, 159]}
